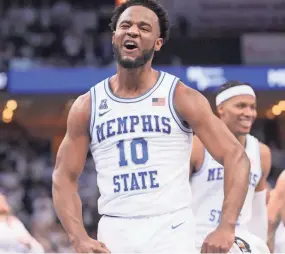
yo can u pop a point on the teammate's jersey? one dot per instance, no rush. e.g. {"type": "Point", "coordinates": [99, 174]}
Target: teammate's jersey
{"type": "Point", "coordinates": [208, 190]}
{"type": "Point", "coordinates": [141, 150]}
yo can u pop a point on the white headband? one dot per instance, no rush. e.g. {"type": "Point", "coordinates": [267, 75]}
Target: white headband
{"type": "Point", "coordinates": [234, 91]}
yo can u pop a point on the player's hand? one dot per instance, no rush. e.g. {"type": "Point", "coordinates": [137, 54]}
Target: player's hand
{"type": "Point", "coordinates": [90, 245]}
{"type": "Point", "coordinates": [219, 241]}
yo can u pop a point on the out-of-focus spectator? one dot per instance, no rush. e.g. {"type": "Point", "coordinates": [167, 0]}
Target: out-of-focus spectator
{"type": "Point", "coordinates": [55, 33]}
{"type": "Point", "coordinates": [14, 236]}
{"type": "Point", "coordinates": [25, 177]}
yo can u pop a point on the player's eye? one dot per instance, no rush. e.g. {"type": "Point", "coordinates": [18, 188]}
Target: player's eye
{"type": "Point", "coordinates": [125, 26]}
{"type": "Point", "coordinates": [144, 28]}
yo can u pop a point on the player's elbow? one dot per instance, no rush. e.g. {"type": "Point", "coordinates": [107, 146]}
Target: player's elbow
{"type": "Point", "coordinates": [56, 182]}
{"type": "Point", "coordinates": [238, 157]}
{"type": "Point", "coordinates": [62, 179]}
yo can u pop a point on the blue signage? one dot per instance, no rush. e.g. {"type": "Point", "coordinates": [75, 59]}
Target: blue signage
{"type": "Point", "coordinates": [79, 80]}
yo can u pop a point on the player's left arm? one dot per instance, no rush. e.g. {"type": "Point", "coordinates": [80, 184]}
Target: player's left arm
{"type": "Point", "coordinates": [194, 108]}
{"type": "Point", "coordinates": [258, 224]}
{"type": "Point", "coordinates": [276, 209]}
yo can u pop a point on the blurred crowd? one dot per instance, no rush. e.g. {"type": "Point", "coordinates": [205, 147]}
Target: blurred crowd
{"type": "Point", "coordinates": [25, 178]}
{"type": "Point", "coordinates": [60, 33]}
{"type": "Point", "coordinates": [56, 33]}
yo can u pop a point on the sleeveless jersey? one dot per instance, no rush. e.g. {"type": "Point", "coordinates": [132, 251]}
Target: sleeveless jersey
{"type": "Point", "coordinates": [141, 150]}
{"type": "Point", "coordinates": [208, 190]}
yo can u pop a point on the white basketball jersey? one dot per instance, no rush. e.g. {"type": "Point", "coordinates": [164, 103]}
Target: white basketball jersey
{"type": "Point", "coordinates": [141, 150]}
{"type": "Point", "coordinates": [208, 190]}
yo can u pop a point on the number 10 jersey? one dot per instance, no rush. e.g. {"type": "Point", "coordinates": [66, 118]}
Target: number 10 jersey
{"type": "Point", "coordinates": [141, 149]}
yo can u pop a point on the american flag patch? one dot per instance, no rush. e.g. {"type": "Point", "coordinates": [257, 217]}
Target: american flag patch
{"type": "Point", "coordinates": [158, 101]}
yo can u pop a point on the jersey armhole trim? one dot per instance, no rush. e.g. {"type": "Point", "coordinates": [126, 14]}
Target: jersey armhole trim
{"type": "Point", "coordinates": [173, 111]}
{"type": "Point", "coordinates": [92, 110]}
{"type": "Point", "coordinates": [259, 161]}
{"type": "Point", "coordinates": [202, 168]}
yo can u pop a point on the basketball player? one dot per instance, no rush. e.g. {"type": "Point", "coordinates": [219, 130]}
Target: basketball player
{"type": "Point", "coordinates": [137, 123]}
{"type": "Point", "coordinates": [276, 216]}
{"type": "Point", "coordinates": [236, 106]}
{"type": "Point", "coordinates": [14, 237]}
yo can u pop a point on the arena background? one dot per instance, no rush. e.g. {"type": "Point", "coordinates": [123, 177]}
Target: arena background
{"type": "Point", "coordinates": [53, 50]}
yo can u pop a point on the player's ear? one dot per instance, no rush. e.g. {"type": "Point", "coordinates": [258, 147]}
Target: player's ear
{"type": "Point", "coordinates": [220, 110]}
{"type": "Point", "coordinates": [158, 44]}
{"type": "Point", "coordinates": [113, 37]}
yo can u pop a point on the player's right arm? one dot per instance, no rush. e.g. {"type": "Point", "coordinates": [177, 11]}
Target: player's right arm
{"type": "Point", "coordinates": [225, 148]}
{"type": "Point", "coordinates": [69, 165]}
{"type": "Point", "coordinates": [276, 207]}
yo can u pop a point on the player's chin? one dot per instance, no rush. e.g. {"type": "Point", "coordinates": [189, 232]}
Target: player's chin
{"type": "Point", "coordinates": [244, 131]}
{"type": "Point", "coordinates": [129, 58]}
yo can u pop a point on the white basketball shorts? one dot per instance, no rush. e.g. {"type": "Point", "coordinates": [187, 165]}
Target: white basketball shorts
{"type": "Point", "coordinates": [169, 233]}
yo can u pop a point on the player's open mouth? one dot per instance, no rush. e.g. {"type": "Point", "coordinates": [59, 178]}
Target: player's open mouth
{"type": "Point", "coordinates": [130, 46]}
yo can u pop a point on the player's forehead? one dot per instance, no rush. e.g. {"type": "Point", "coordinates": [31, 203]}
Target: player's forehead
{"type": "Point", "coordinates": [139, 14]}
{"type": "Point", "coordinates": [245, 99]}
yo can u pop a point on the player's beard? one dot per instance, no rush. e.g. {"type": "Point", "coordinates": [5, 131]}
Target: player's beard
{"type": "Point", "coordinates": [135, 63]}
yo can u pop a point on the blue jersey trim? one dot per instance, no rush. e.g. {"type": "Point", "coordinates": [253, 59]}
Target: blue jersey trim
{"type": "Point", "coordinates": [93, 109]}
{"type": "Point", "coordinates": [175, 115]}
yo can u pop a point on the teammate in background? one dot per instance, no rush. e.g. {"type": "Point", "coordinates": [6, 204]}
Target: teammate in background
{"type": "Point", "coordinates": [236, 106]}
{"type": "Point", "coordinates": [14, 237]}
{"type": "Point", "coordinates": [139, 124]}
{"type": "Point", "coordinates": [276, 216]}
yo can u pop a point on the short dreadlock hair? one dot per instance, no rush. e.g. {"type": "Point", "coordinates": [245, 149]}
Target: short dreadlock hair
{"type": "Point", "coordinates": [153, 5]}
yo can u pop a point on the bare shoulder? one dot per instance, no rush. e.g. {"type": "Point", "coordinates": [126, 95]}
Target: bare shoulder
{"type": "Point", "coordinates": [189, 101]}
{"type": "Point", "coordinates": [264, 150]}
{"type": "Point", "coordinates": [79, 114]}
{"type": "Point", "coordinates": [185, 91]}
{"type": "Point", "coordinates": [81, 105]}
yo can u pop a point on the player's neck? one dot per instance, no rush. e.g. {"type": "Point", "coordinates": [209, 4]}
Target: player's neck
{"type": "Point", "coordinates": [133, 80]}
{"type": "Point", "coordinates": [241, 139]}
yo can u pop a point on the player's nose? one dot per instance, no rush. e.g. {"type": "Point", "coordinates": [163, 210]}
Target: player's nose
{"type": "Point", "coordinates": [133, 32]}
{"type": "Point", "coordinates": [247, 111]}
